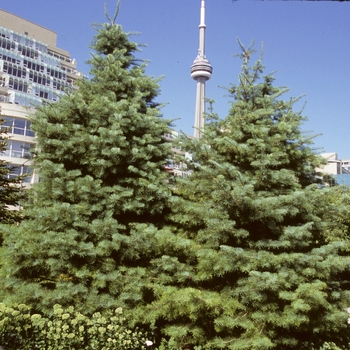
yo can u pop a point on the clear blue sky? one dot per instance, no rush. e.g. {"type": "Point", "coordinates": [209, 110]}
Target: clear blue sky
{"type": "Point", "coordinates": [307, 43]}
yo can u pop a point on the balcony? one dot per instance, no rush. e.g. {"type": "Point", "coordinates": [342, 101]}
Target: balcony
{"type": "Point", "coordinates": [4, 91]}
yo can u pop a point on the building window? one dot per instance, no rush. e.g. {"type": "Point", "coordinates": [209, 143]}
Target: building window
{"type": "Point", "coordinates": [18, 126]}
{"type": "Point", "coordinates": [33, 65]}
{"type": "Point", "coordinates": [27, 51]}
{"type": "Point", "coordinates": [10, 58]}
{"type": "Point", "coordinates": [17, 149]}
{"type": "Point", "coordinates": [13, 69]}
{"type": "Point", "coordinates": [56, 73]}
{"type": "Point", "coordinates": [7, 44]}
{"type": "Point", "coordinates": [18, 84]}
{"type": "Point", "coordinates": [44, 94]}
{"type": "Point", "coordinates": [20, 169]}
{"type": "Point", "coordinates": [39, 78]}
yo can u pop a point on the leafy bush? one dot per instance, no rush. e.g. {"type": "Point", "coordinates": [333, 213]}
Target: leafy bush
{"type": "Point", "coordinates": [20, 329]}
{"type": "Point", "coordinates": [66, 329]}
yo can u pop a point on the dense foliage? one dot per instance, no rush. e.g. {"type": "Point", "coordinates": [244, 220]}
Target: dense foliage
{"type": "Point", "coordinates": [11, 189]}
{"type": "Point", "coordinates": [338, 201]}
{"type": "Point", "coordinates": [251, 265]}
{"type": "Point", "coordinates": [102, 183]}
{"type": "Point", "coordinates": [242, 254]}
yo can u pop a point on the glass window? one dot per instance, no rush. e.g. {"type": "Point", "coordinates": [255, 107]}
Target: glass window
{"type": "Point", "coordinates": [20, 169]}
{"type": "Point", "coordinates": [8, 122]}
{"type": "Point", "coordinates": [18, 84]}
{"type": "Point", "coordinates": [17, 149]}
{"type": "Point", "coordinates": [26, 99]}
{"type": "Point", "coordinates": [29, 131]}
{"type": "Point", "coordinates": [18, 126]}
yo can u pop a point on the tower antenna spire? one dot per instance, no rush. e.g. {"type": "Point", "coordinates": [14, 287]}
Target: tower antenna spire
{"type": "Point", "coordinates": [201, 71]}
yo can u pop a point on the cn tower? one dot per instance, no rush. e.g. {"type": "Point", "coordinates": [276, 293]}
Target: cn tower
{"type": "Point", "coordinates": [201, 72]}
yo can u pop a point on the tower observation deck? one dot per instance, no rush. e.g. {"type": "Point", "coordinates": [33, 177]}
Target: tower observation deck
{"type": "Point", "coordinates": [201, 71]}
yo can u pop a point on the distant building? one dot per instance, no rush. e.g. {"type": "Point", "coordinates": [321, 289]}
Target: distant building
{"type": "Point", "coordinates": [333, 165]}
{"type": "Point", "coordinates": [32, 70]}
{"type": "Point", "coordinates": [339, 169]}
{"type": "Point", "coordinates": [177, 165]}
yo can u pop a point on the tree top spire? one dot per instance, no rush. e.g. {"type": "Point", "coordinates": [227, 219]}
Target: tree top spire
{"type": "Point", "coordinates": [115, 13]}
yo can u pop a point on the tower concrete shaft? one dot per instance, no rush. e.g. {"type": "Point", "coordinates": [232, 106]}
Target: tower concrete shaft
{"type": "Point", "coordinates": [201, 71]}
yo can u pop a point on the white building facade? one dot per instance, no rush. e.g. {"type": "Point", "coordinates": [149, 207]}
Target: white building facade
{"type": "Point", "coordinates": [32, 70]}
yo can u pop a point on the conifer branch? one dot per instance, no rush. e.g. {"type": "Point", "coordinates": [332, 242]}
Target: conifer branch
{"type": "Point", "coordinates": [112, 21]}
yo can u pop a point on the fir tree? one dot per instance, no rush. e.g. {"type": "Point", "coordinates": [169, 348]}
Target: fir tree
{"type": "Point", "coordinates": [11, 189]}
{"type": "Point", "coordinates": [250, 265]}
{"type": "Point", "coordinates": [102, 185]}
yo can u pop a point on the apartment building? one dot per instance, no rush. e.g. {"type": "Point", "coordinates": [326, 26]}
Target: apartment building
{"type": "Point", "coordinates": [32, 70]}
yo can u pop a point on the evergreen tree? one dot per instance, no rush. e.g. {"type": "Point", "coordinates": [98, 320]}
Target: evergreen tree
{"type": "Point", "coordinates": [11, 189]}
{"type": "Point", "coordinates": [102, 184]}
{"type": "Point", "coordinates": [250, 265]}
{"type": "Point", "coordinates": [337, 214]}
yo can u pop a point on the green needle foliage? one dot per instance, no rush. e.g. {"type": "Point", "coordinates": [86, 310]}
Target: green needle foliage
{"type": "Point", "coordinates": [338, 198]}
{"type": "Point", "coordinates": [11, 189]}
{"type": "Point", "coordinates": [251, 265]}
{"type": "Point", "coordinates": [102, 186]}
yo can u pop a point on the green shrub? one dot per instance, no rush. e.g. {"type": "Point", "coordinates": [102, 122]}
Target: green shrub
{"type": "Point", "coordinates": [66, 329]}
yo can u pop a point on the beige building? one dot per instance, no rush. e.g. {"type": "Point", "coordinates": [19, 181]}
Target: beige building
{"type": "Point", "coordinates": [32, 70]}
{"type": "Point", "coordinates": [334, 165]}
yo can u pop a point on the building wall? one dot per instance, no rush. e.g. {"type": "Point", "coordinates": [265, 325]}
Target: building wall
{"type": "Point", "coordinates": [345, 166]}
{"type": "Point", "coordinates": [32, 30]}
{"type": "Point", "coordinates": [21, 139]}
{"type": "Point", "coordinates": [32, 70]}
{"type": "Point", "coordinates": [332, 166]}
{"type": "Point", "coordinates": [338, 168]}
